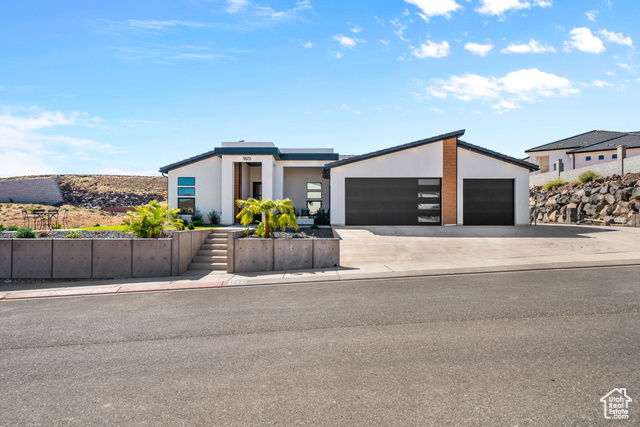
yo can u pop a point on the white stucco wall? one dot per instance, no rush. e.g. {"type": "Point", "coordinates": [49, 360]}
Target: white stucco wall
{"type": "Point", "coordinates": [207, 173]}
{"type": "Point", "coordinates": [581, 158]}
{"type": "Point", "coordinates": [553, 157]}
{"type": "Point", "coordinates": [419, 162]}
{"type": "Point", "coordinates": [474, 165]}
{"type": "Point", "coordinates": [295, 185]}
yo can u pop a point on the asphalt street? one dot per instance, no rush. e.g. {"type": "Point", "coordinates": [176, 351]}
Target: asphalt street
{"type": "Point", "coordinates": [526, 348]}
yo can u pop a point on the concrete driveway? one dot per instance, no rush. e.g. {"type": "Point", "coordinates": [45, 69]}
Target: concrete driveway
{"type": "Point", "coordinates": [411, 248]}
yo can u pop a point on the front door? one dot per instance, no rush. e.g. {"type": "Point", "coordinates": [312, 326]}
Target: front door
{"type": "Point", "coordinates": [257, 190]}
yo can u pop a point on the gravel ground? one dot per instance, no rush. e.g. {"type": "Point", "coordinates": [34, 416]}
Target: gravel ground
{"type": "Point", "coordinates": [86, 234]}
{"type": "Point", "coordinates": [301, 233]}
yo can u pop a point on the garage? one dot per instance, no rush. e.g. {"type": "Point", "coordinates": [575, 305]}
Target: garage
{"type": "Point", "coordinates": [392, 201]}
{"type": "Point", "coordinates": [488, 201]}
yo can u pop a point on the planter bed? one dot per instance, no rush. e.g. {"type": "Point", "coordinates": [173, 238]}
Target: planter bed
{"type": "Point", "coordinates": [288, 250]}
{"type": "Point", "coordinates": [86, 234]}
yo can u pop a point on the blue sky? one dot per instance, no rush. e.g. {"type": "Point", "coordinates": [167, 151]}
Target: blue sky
{"type": "Point", "coordinates": [126, 87]}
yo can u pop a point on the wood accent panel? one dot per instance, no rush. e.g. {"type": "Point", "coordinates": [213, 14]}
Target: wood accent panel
{"type": "Point", "coordinates": [450, 181]}
{"type": "Point", "coordinates": [237, 188]}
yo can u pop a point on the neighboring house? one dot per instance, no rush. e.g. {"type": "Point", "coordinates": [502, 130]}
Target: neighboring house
{"type": "Point", "coordinates": [590, 148]}
{"type": "Point", "coordinates": [434, 181]}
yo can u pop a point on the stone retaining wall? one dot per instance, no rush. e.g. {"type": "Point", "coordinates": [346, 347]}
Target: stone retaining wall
{"type": "Point", "coordinates": [99, 258]}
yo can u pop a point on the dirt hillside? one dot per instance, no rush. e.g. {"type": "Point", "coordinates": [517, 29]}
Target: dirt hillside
{"type": "Point", "coordinates": [85, 194]}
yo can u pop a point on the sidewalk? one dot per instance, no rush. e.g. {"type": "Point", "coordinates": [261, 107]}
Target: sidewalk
{"type": "Point", "coordinates": [396, 252]}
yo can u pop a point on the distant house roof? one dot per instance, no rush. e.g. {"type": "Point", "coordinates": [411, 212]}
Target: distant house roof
{"type": "Point", "coordinates": [395, 149]}
{"type": "Point", "coordinates": [253, 151]}
{"type": "Point", "coordinates": [630, 140]}
{"type": "Point", "coordinates": [498, 156]}
{"type": "Point", "coordinates": [579, 141]}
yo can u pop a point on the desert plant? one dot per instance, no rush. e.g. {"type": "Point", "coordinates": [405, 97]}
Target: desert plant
{"type": "Point", "coordinates": [197, 223]}
{"type": "Point", "coordinates": [276, 214]}
{"type": "Point", "coordinates": [191, 227]}
{"type": "Point", "coordinates": [553, 183]}
{"type": "Point", "coordinates": [314, 227]}
{"type": "Point", "coordinates": [45, 234]}
{"type": "Point", "coordinates": [214, 217]}
{"type": "Point", "coordinates": [149, 221]}
{"type": "Point", "coordinates": [588, 176]}
{"type": "Point", "coordinates": [25, 233]}
{"type": "Point", "coordinates": [74, 235]}
{"type": "Point", "coordinates": [321, 218]}
{"type": "Point", "coordinates": [1, 226]}
{"type": "Point", "coordinates": [13, 228]}
{"type": "Point", "coordinates": [97, 225]}
{"type": "Point", "coordinates": [56, 227]}
{"type": "Point", "coordinates": [196, 215]}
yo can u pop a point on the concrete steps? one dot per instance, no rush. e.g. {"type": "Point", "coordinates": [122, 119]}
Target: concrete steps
{"type": "Point", "coordinates": [212, 254]}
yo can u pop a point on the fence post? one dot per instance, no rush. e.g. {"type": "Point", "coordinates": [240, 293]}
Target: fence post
{"type": "Point", "coordinates": [622, 154]}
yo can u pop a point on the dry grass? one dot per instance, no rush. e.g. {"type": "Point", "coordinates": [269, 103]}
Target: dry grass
{"type": "Point", "coordinates": [108, 183]}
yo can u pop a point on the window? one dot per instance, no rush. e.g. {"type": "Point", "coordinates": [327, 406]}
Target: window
{"type": "Point", "coordinates": [314, 186]}
{"type": "Point", "coordinates": [588, 158]}
{"type": "Point", "coordinates": [555, 167]}
{"type": "Point", "coordinates": [186, 191]}
{"type": "Point", "coordinates": [429, 181]}
{"type": "Point", "coordinates": [186, 205]}
{"type": "Point", "coordinates": [614, 156]}
{"type": "Point", "coordinates": [313, 206]}
{"type": "Point", "coordinates": [428, 194]}
{"type": "Point", "coordinates": [423, 206]}
{"type": "Point", "coordinates": [601, 157]}
{"type": "Point", "coordinates": [428, 219]}
{"type": "Point", "coordinates": [186, 181]}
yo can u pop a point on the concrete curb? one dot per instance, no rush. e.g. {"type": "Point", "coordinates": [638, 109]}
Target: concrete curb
{"type": "Point", "coordinates": [237, 282]}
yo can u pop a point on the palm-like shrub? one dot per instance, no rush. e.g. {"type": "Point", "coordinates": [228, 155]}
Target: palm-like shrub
{"type": "Point", "coordinates": [276, 214]}
{"type": "Point", "coordinates": [150, 221]}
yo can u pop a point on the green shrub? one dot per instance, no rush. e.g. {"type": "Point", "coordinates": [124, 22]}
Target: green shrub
{"type": "Point", "coordinates": [321, 218]}
{"type": "Point", "coordinates": [315, 227]}
{"type": "Point", "coordinates": [214, 217]}
{"type": "Point", "coordinates": [25, 233]}
{"type": "Point", "coordinates": [191, 227]}
{"type": "Point", "coordinates": [97, 225]}
{"type": "Point", "coordinates": [553, 183]}
{"type": "Point", "coordinates": [56, 227]}
{"type": "Point", "coordinates": [149, 221]}
{"type": "Point", "coordinates": [13, 228]}
{"type": "Point", "coordinates": [197, 223]}
{"type": "Point", "coordinates": [74, 235]}
{"type": "Point", "coordinates": [588, 176]}
{"type": "Point", "coordinates": [196, 215]}
{"type": "Point", "coordinates": [1, 226]}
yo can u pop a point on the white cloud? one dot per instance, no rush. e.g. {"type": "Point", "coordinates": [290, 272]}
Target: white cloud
{"type": "Point", "coordinates": [478, 49]}
{"type": "Point", "coordinates": [161, 25]}
{"type": "Point", "coordinates": [399, 28]}
{"type": "Point", "coordinates": [431, 8]}
{"type": "Point", "coordinates": [200, 56]}
{"type": "Point", "coordinates": [284, 14]}
{"type": "Point", "coordinates": [532, 47]}
{"type": "Point", "coordinates": [517, 86]}
{"type": "Point", "coordinates": [499, 7]}
{"type": "Point", "coordinates": [33, 152]}
{"type": "Point", "coordinates": [236, 5]}
{"type": "Point", "coordinates": [600, 83]}
{"type": "Point", "coordinates": [610, 73]}
{"type": "Point", "coordinates": [348, 42]}
{"type": "Point", "coordinates": [385, 42]}
{"type": "Point", "coordinates": [307, 45]}
{"type": "Point", "coordinates": [338, 55]}
{"type": "Point", "coordinates": [432, 50]}
{"type": "Point", "coordinates": [583, 40]}
{"type": "Point", "coordinates": [618, 38]}
{"type": "Point", "coordinates": [436, 110]}
{"type": "Point", "coordinates": [345, 107]}
{"type": "Point", "coordinates": [625, 66]}
{"type": "Point", "coordinates": [355, 29]}
{"type": "Point", "coordinates": [591, 15]}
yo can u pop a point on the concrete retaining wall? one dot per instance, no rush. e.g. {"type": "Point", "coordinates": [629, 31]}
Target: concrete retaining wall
{"type": "Point", "coordinates": [99, 258]}
{"type": "Point", "coordinates": [616, 167]}
{"type": "Point", "coordinates": [251, 255]}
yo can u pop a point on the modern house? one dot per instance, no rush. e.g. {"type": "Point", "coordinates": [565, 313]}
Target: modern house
{"type": "Point", "coordinates": [587, 149]}
{"type": "Point", "coordinates": [435, 181]}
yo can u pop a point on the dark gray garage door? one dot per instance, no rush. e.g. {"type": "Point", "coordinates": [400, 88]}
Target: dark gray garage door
{"type": "Point", "coordinates": [392, 201]}
{"type": "Point", "coordinates": [488, 202]}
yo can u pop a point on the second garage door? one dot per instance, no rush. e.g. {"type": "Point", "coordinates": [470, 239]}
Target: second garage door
{"type": "Point", "coordinates": [392, 201]}
{"type": "Point", "coordinates": [488, 202]}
